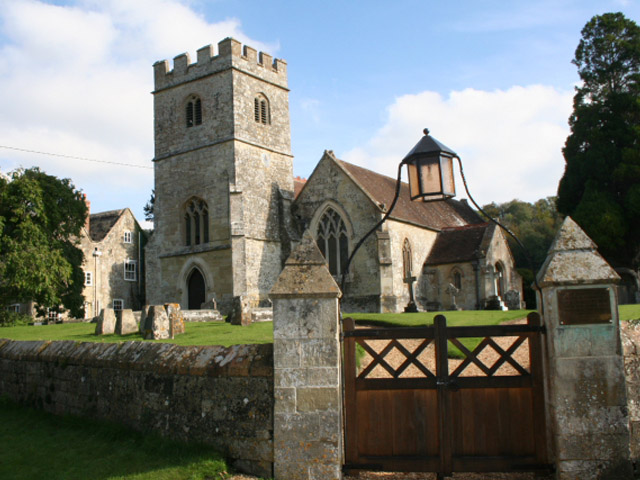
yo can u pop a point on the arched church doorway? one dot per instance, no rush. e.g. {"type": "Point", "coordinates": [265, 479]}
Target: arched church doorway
{"type": "Point", "coordinates": [196, 288]}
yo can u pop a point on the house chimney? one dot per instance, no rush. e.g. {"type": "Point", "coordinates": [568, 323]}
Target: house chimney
{"type": "Point", "coordinates": [87, 222]}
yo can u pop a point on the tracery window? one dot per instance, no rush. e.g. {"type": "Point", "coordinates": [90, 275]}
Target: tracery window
{"type": "Point", "coordinates": [406, 259]}
{"type": "Point", "coordinates": [194, 111]}
{"type": "Point", "coordinates": [261, 110]}
{"type": "Point", "coordinates": [332, 240]}
{"type": "Point", "coordinates": [196, 222]}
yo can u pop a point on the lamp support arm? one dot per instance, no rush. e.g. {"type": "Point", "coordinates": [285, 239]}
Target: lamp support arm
{"type": "Point", "coordinates": [345, 271]}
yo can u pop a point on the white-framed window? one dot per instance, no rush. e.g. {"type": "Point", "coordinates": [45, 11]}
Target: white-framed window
{"type": "Point", "coordinates": [118, 304]}
{"type": "Point", "coordinates": [127, 237]}
{"type": "Point", "coordinates": [88, 278]}
{"type": "Point", "coordinates": [53, 316]}
{"type": "Point", "coordinates": [130, 269]}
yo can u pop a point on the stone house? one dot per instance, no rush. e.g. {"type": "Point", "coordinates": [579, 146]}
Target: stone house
{"type": "Point", "coordinates": [225, 219]}
{"type": "Point", "coordinates": [113, 244]}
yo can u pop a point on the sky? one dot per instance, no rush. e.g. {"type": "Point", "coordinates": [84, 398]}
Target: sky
{"type": "Point", "coordinates": [491, 79]}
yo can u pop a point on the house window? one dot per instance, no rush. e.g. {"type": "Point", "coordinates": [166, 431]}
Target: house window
{"type": "Point", "coordinates": [88, 278]}
{"type": "Point", "coordinates": [196, 222]}
{"type": "Point", "coordinates": [53, 316]}
{"type": "Point", "coordinates": [15, 308]}
{"type": "Point", "coordinates": [130, 270]}
{"type": "Point", "coordinates": [332, 240]}
{"type": "Point", "coordinates": [118, 304]}
{"type": "Point", "coordinates": [261, 110]}
{"type": "Point", "coordinates": [194, 111]}
{"type": "Point", "coordinates": [406, 259]}
{"type": "Point", "coordinates": [127, 237]}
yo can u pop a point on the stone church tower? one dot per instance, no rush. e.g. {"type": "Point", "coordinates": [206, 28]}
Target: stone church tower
{"type": "Point", "coordinates": [223, 178]}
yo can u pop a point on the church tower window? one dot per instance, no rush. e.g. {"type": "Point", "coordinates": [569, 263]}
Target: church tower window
{"type": "Point", "coordinates": [261, 110]}
{"type": "Point", "coordinates": [194, 111]}
{"type": "Point", "coordinates": [196, 222]}
{"type": "Point", "coordinates": [332, 240]}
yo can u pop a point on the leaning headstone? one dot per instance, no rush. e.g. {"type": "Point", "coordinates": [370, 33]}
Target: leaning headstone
{"type": "Point", "coordinates": [144, 313]}
{"type": "Point", "coordinates": [126, 323]}
{"type": "Point", "coordinates": [240, 311]}
{"type": "Point", "coordinates": [157, 323]}
{"type": "Point", "coordinates": [106, 324]}
{"type": "Point", "coordinates": [512, 300]}
{"type": "Point", "coordinates": [176, 320]}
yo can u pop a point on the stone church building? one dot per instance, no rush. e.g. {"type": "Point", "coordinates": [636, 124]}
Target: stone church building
{"type": "Point", "coordinates": [227, 212]}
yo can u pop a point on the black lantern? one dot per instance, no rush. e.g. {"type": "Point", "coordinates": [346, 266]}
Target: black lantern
{"type": "Point", "coordinates": [430, 165]}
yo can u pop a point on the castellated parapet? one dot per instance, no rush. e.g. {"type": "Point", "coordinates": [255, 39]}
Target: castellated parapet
{"type": "Point", "coordinates": [231, 54]}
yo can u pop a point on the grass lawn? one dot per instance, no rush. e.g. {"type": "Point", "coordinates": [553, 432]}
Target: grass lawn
{"type": "Point", "coordinates": [221, 333]}
{"type": "Point", "coordinates": [38, 445]}
{"type": "Point", "coordinates": [197, 333]}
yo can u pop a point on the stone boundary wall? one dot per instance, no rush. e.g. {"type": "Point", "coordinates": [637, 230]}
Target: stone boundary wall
{"type": "Point", "coordinates": [215, 395]}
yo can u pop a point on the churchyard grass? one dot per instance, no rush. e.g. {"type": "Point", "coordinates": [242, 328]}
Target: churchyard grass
{"type": "Point", "coordinates": [38, 445]}
{"type": "Point", "coordinates": [225, 334]}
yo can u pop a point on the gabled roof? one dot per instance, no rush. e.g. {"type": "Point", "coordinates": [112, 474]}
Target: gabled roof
{"type": "Point", "coordinates": [434, 215]}
{"type": "Point", "coordinates": [461, 244]}
{"type": "Point", "coordinates": [100, 224]}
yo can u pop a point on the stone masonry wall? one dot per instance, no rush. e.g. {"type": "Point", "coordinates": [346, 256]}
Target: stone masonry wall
{"type": "Point", "coordinates": [216, 395]}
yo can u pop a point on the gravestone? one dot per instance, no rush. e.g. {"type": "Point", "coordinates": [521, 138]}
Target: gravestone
{"type": "Point", "coordinates": [512, 300]}
{"type": "Point", "coordinates": [106, 324]}
{"type": "Point", "coordinates": [126, 323]}
{"type": "Point", "coordinates": [176, 320]}
{"type": "Point", "coordinates": [156, 324]}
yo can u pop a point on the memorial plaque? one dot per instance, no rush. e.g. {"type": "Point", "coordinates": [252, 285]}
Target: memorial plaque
{"type": "Point", "coordinates": [584, 306]}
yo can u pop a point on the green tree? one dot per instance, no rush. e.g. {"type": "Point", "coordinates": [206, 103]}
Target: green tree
{"type": "Point", "coordinates": [600, 188]}
{"type": "Point", "coordinates": [41, 218]}
{"type": "Point", "coordinates": [535, 224]}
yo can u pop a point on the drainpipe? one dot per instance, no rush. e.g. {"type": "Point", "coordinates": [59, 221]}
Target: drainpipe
{"type": "Point", "coordinates": [96, 253]}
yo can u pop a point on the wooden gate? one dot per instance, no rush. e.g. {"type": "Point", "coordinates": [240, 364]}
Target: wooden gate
{"type": "Point", "coordinates": [411, 408]}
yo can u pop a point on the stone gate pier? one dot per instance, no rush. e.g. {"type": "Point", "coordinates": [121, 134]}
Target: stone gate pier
{"type": "Point", "coordinates": [587, 416]}
{"type": "Point", "coordinates": [307, 429]}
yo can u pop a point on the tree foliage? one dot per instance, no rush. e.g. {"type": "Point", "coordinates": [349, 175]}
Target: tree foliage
{"type": "Point", "coordinates": [41, 218]}
{"type": "Point", "coordinates": [535, 225]}
{"type": "Point", "coordinates": [600, 188]}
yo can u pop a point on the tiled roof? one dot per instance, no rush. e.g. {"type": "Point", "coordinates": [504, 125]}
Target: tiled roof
{"type": "Point", "coordinates": [101, 223]}
{"type": "Point", "coordinates": [298, 183]}
{"type": "Point", "coordinates": [461, 244]}
{"type": "Point", "coordinates": [434, 215]}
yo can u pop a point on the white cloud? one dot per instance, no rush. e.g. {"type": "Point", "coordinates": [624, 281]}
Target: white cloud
{"type": "Point", "coordinates": [509, 141]}
{"type": "Point", "coordinates": [76, 80]}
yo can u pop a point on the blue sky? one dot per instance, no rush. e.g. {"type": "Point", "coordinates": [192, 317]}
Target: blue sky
{"type": "Point", "coordinates": [493, 80]}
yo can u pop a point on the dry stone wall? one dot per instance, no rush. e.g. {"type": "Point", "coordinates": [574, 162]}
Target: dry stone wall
{"type": "Point", "coordinates": [216, 395]}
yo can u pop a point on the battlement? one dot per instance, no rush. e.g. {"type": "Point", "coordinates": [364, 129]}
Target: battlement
{"type": "Point", "coordinates": [231, 53]}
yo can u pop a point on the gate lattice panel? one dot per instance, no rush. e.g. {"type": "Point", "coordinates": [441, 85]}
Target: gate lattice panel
{"type": "Point", "coordinates": [418, 410]}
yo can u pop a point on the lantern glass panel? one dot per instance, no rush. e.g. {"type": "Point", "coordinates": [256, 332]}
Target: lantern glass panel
{"type": "Point", "coordinates": [414, 184]}
{"type": "Point", "coordinates": [430, 177]}
{"type": "Point", "coordinates": [448, 182]}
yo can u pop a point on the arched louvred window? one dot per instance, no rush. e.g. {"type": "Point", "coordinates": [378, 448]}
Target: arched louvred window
{"type": "Point", "coordinates": [407, 267]}
{"type": "Point", "coordinates": [196, 220]}
{"type": "Point", "coordinates": [261, 110]}
{"type": "Point", "coordinates": [194, 111]}
{"type": "Point", "coordinates": [332, 240]}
